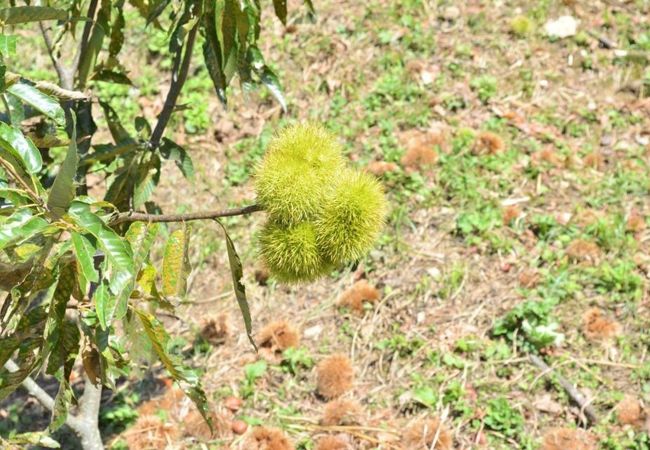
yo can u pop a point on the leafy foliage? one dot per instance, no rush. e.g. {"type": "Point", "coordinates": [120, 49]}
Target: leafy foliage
{"type": "Point", "coordinates": [63, 251]}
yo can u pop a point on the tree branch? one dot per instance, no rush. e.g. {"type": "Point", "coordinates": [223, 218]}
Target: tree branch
{"type": "Point", "coordinates": [85, 425]}
{"type": "Point", "coordinates": [571, 391]}
{"type": "Point", "coordinates": [132, 216]}
{"type": "Point", "coordinates": [180, 69]}
{"type": "Point", "coordinates": [32, 388]}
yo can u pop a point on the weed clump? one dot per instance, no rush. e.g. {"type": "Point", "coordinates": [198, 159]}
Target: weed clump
{"type": "Point", "coordinates": [564, 438]}
{"type": "Point", "coordinates": [427, 434]}
{"type": "Point", "coordinates": [521, 26]}
{"type": "Point", "coordinates": [341, 412]}
{"type": "Point", "coordinates": [597, 327]}
{"type": "Point", "coordinates": [321, 213]}
{"type": "Point", "coordinates": [266, 438]}
{"type": "Point", "coordinates": [361, 292]}
{"type": "Point", "coordinates": [334, 376]}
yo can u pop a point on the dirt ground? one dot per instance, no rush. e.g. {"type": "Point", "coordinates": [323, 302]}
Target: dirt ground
{"type": "Point", "coordinates": [516, 165]}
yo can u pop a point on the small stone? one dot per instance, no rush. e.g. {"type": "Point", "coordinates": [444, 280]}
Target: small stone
{"type": "Point", "coordinates": [239, 427]}
{"type": "Point", "coordinates": [561, 28]}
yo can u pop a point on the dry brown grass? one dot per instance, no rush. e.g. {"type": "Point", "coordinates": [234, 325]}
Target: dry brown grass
{"type": "Point", "coordinates": [427, 434]}
{"type": "Point", "coordinates": [334, 376]}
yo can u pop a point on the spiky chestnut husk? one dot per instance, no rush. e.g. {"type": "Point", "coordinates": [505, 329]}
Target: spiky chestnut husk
{"type": "Point", "coordinates": [291, 252]}
{"type": "Point", "coordinates": [299, 167]}
{"type": "Point", "coordinates": [352, 217]}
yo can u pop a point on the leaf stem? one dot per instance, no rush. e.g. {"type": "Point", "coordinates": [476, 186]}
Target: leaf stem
{"type": "Point", "coordinates": [10, 170]}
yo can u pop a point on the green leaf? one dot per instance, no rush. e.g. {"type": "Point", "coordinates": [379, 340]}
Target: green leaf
{"type": "Point", "coordinates": [85, 252]}
{"type": "Point", "coordinates": [117, 31]}
{"type": "Point", "coordinates": [105, 304]}
{"type": "Point", "coordinates": [175, 264]}
{"type": "Point", "coordinates": [265, 74]}
{"type": "Point", "coordinates": [63, 189]}
{"type": "Point", "coordinates": [89, 57]}
{"type": "Point", "coordinates": [120, 191]}
{"type": "Point", "coordinates": [62, 339]}
{"type": "Point", "coordinates": [24, 14]}
{"type": "Point", "coordinates": [141, 237]}
{"type": "Point", "coordinates": [28, 340]}
{"type": "Point", "coordinates": [39, 438]}
{"type": "Point", "coordinates": [20, 227]}
{"type": "Point", "coordinates": [148, 177]}
{"type": "Point", "coordinates": [187, 378]}
{"type": "Point", "coordinates": [174, 152]}
{"type": "Point", "coordinates": [311, 11]}
{"type": "Point", "coordinates": [272, 83]}
{"type": "Point", "coordinates": [213, 56]}
{"type": "Point", "coordinates": [280, 7]}
{"type": "Point", "coordinates": [39, 101]}
{"type": "Point", "coordinates": [112, 76]}
{"type": "Point", "coordinates": [21, 146]}
{"type": "Point", "coordinates": [119, 133]}
{"type": "Point", "coordinates": [117, 249]}
{"type": "Point", "coordinates": [237, 273]}
{"type": "Point", "coordinates": [30, 326]}
{"type": "Point", "coordinates": [119, 269]}
{"type": "Point", "coordinates": [7, 45]}
{"type": "Point", "coordinates": [16, 197]}
{"type": "Point", "coordinates": [156, 9]}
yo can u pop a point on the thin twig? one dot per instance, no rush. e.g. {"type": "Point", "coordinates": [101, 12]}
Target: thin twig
{"type": "Point", "coordinates": [132, 216]}
{"type": "Point", "coordinates": [602, 40]}
{"type": "Point", "coordinates": [179, 75]}
{"type": "Point", "coordinates": [571, 390]}
{"type": "Point", "coordinates": [63, 73]}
